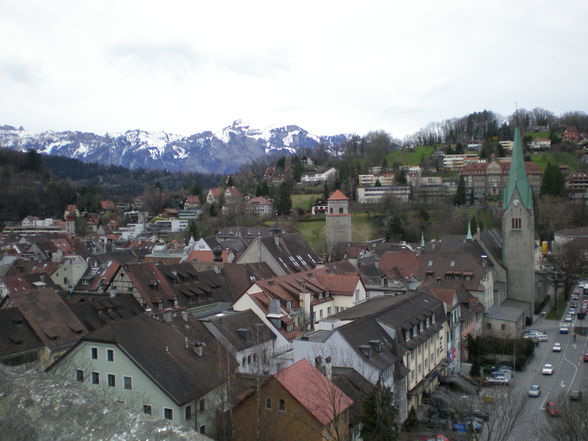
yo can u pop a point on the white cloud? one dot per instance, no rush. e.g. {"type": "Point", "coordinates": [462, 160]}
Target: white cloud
{"type": "Point", "coordinates": [328, 66]}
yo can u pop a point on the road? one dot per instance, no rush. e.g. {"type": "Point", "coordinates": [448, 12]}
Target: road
{"type": "Point", "coordinates": [570, 373]}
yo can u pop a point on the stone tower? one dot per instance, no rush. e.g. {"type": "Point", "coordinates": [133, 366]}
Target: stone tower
{"type": "Point", "coordinates": [518, 231]}
{"type": "Point", "coordinates": [338, 220]}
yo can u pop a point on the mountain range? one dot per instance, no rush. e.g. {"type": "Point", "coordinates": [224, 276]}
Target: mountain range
{"type": "Point", "coordinates": [206, 152]}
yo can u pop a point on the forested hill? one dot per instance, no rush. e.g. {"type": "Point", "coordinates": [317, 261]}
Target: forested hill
{"type": "Point", "coordinates": [41, 185]}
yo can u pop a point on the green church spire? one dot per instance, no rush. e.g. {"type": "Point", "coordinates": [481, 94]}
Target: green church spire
{"type": "Point", "coordinates": [517, 177]}
{"type": "Point", "coordinates": [422, 240]}
{"type": "Point", "coordinates": [469, 235]}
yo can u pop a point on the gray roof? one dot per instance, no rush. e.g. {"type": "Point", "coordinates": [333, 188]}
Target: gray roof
{"type": "Point", "coordinates": [16, 335]}
{"type": "Point", "coordinates": [492, 241]}
{"type": "Point", "coordinates": [504, 313]}
{"type": "Point", "coordinates": [291, 245]}
{"type": "Point", "coordinates": [160, 351]}
{"type": "Point", "coordinates": [103, 310]}
{"type": "Point", "coordinates": [242, 329]}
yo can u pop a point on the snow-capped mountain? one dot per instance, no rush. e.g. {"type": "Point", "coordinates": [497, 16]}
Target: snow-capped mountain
{"type": "Point", "coordinates": [206, 152]}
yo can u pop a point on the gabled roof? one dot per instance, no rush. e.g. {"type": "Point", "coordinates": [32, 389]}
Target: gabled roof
{"type": "Point", "coordinates": [241, 329]}
{"type": "Point", "coordinates": [517, 178]}
{"type": "Point", "coordinates": [160, 351]}
{"type": "Point", "coordinates": [406, 262]}
{"type": "Point", "coordinates": [338, 195]}
{"type": "Point", "coordinates": [291, 252]}
{"type": "Point", "coordinates": [97, 313]}
{"type": "Point", "coordinates": [319, 396]}
{"type": "Point", "coordinates": [16, 335]}
{"type": "Point", "coordinates": [240, 276]}
{"type": "Point", "coordinates": [51, 319]}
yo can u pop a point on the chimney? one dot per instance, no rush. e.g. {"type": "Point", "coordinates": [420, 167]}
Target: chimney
{"type": "Point", "coordinates": [318, 362]}
{"type": "Point", "coordinates": [185, 317]}
{"type": "Point", "coordinates": [377, 345]}
{"type": "Point", "coordinates": [366, 350]}
{"type": "Point", "coordinates": [274, 306]}
{"type": "Point", "coordinates": [328, 368]}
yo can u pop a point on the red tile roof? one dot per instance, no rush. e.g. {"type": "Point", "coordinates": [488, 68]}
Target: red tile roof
{"type": "Point", "coordinates": [338, 195]}
{"type": "Point", "coordinates": [192, 199]}
{"type": "Point", "coordinates": [406, 262]}
{"type": "Point", "coordinates": [319, 396]}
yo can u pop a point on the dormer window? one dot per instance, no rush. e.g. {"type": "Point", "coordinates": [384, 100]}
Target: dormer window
{"type": "Point", "coordinates": [289, 306]}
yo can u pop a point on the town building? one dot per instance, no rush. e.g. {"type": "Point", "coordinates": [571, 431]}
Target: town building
{"type": "Point", "coordinates": [338, 220]}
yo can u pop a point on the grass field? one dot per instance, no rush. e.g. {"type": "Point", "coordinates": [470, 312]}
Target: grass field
{"type": "Point", "coordinates": [406, 157]}
{"type": "Point", "coordinates": [312, 230]}
{"type": "Point", "coordinates": [562, 158]}
{"type": "Point", "coordinates": [304, 201]}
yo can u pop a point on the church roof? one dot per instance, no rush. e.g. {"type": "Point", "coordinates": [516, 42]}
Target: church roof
{"type": "Point", "coordinates": [517, 178]}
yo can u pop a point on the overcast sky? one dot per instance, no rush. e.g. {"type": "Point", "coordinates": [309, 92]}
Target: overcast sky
{"type": "Point", "coordinates": [328, 66]}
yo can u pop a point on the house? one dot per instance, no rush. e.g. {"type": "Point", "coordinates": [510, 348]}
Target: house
{"type": "Point", "coordinates": [259, 206]}
{"type": "Point", "coordinates": [299, 301]}
{"type": "Point", "coordinates": [571, 134]}
{"type": "Point", "coordinates": [540, 143]}
{"type": "Point", "coordinates": [154, 369]}
{"type": "Point", "coordinates": [400, 341]}
{"type": "Point", "coordinates": [577, 185]}
{"type": "Point", "coordinates": [298, 402]}
{"type": "Point", "coordinates": [107, 207]}
{"type": "Point", "coordinates": [317, 177]}
{"type": "Point", "coordinates": [52, 322]}
{"type": "Point", "coordinates": [376, 180]}
{"type": "Point", "coordinates": [213, 195]}
{"type": "Point", "coordinates": [248, 339]}
{"type": "Point", "coordinates": [503, 321]}
{"type": "Point", "coordinates": [19, 345]}
{"type": "Point", "coordinates": [284, 253]}
{"type": "Point", "coordinates": [192, 202]}
{"type": "Point", "coordinates": [457, 162]}
{"type": "Point", "coordinates": [103, 310]}
{"type": "Point", "coordinates": [319, 208]}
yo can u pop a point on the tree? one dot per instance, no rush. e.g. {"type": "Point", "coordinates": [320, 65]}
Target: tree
{"type": "Point", "coordinates": [193, 230]}
{"type": "Point", "coordinates": [553, 181]}
{"type": "Point", "coordinates": [394, 230]}
{"type": "Point", "coordinates": [283, 201]}
{"type": "Point", "coordinates": [297, 169]}
{"type": "Point", "coordinates": [379, 414]}
{"type": "Point", "coordinates": [460, 194]}
{"type": "Point", "coordinates": [230, 181]}
{"type": "Point", "coordinates": [570, 425]}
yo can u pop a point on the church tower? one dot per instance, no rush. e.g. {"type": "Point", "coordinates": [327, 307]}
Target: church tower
{"type": "Point", "coordinates": [338, 220]}
{"type": "Point", "coordinates": [518, 231]}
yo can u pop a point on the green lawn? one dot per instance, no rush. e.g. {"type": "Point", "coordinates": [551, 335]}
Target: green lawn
{"type": "Point", "coordinates": [406, 157]}
{"type": "Point", "coordinates": [312, 230]}
{"type": "Point", "coordinates": [304, 201]}
{"type": "Point", "coordinates": [562, 158]}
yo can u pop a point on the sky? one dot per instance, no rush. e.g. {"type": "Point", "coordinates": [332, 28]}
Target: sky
{"type": "Point", "coordinates": [328, 66]}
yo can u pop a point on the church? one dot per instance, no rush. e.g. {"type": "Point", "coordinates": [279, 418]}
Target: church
{"type": "Point", "coordinates": [512, 249]}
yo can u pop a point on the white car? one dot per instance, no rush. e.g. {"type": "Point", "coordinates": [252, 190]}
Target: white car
{"type": "Point", "coordinates": [542, 337]}
{"type": "Point", "coordinates": [556, 347]}
{"type": "Point", "coordinates": [568, 318]}
{"type": "Point", "coordinates": [547, 369]}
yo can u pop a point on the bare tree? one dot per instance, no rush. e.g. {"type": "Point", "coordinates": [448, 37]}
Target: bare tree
{"type": "Point", "coordinates": [571, 425]}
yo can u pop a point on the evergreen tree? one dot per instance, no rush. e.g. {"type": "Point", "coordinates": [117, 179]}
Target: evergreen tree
{"type": "Point", "coordinates": [264, 189]}
{"type": "Point", "coordinates": [553, 181]}
{"type": "Point", "coordinates": [459, 148]}
{"type": "Point", "coordinates": [230, 181]}
{"type": "Point", "coordinates": [326, 191]}
{"type": "Point", "coordinates": [460, 194]}
{"type": "Point", "coordinates": [378, 416]}
{"type": "Point", "coordinates": [283, 202]}
{"type": "Point", "coordinates": [394, 231]}
{"type": "Point", "coordinates": [377, 183]}
{"type": "Point", "coordinates": [197, 189]}
{"type": "Point", "coordinates": [193, 230]}
{"type": "Point", "coordinates": [297, 169]}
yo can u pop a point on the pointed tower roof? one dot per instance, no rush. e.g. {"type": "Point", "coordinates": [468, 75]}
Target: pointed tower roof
{"type": "Point", "coordinates": [422, 240]}
{"type": "Point", "coordinates": [338, 195]}
{"type": "Point", "coordinates": [469, 235]}
{"type": "Point", "coordinates": [517, 178]}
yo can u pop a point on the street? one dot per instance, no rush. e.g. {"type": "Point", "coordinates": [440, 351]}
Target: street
{"type": "Point", "coordinates": [569, 374]}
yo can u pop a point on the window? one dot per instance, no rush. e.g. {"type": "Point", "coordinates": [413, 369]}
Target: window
{"type": "Point", "coordinates": [147, 409]}
{"type": "Point", "coordinates": [503, 326]}
{"type": "Point", "coordinates": [168, 413]}
{"type": "Point", "coordinates": [128, 383]}
{"type": "Point", "coordinates": [110, 354]}
{"type": "Point", "coordinates": [282, 405]}
{"type": "Point", "coordinates": [516, 223]}
{"type": "Point", "coordinates": [95, 378]}
{"type": "Point", "coordinates": [268, 404]}
{"type": "Point", "coordinates": [340, 210]}
{"type": "Point", "coordinates": [488, 325]}
{"type": "Point", "coordinates": [203, 430]}
{"type": "Point", "coordinates": [111, 380]}
{"type": "Point", "coordinates": [201, 405]}
{"type": "Point", "coordinates": [188, 412]}
{"type": "Point", "coordinates": [244, 361]}
{"type": "Point", "coordinates": [328, 310]}
{"type": "Point", "coordinates": [94, 353]}
{"type": "Point", "coordinates": [320, 313]}
{"type": "Point", "coordinates": [79, 375]}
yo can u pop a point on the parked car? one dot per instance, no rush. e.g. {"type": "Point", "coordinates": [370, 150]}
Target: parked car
{"type": "Point", "coordinates": [542, 337]}
{"type": "Point", "coordinates": [534, 390]}
{"type": "Point", "coordinates": [556, 347]}
{"type": "Point", "coordinates": [552, 409]}
{"type": "Point", "coordinates": [547, 369]}
{"type": "Point", "coordinates": [435, 422]}
{"type": "Point", "coordinates": [585, 357]}
{"type": "Point", "coordinates": [477, 413]}
{"type": "Point", "coordinates": [576, 395]}
{"type": "Point", "coordinates": [498, 380]}
{"type": "Point", "coordinates": [473, 423]}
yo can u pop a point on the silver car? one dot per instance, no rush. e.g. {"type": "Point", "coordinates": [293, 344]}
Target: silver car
{"type": "Point", "coordinates": [534, 390]}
